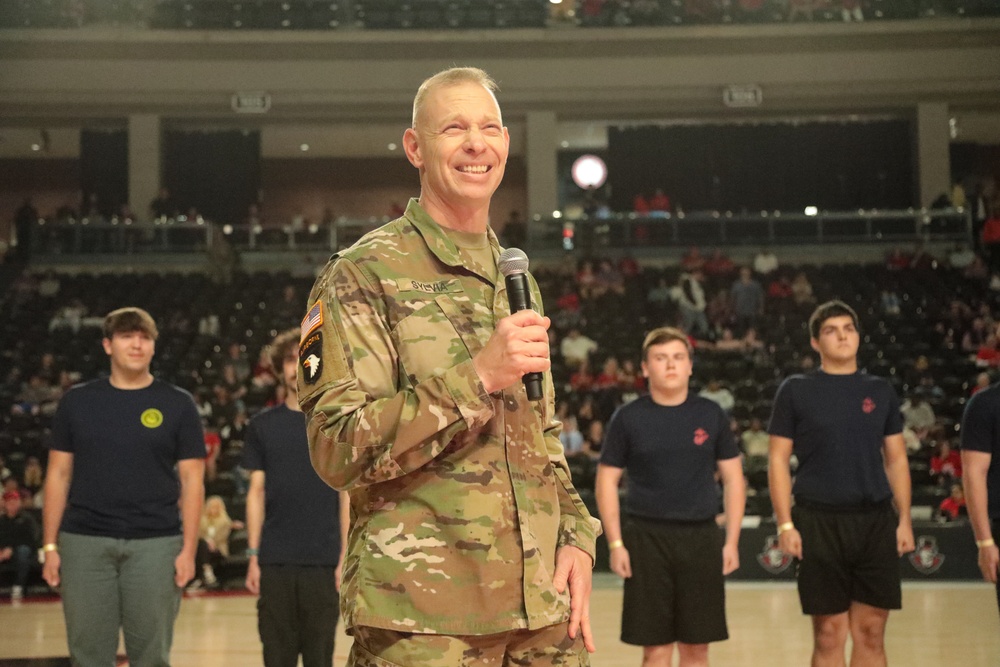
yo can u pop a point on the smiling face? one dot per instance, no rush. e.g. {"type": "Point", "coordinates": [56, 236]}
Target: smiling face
{"type": "Point", "coordinates": [131, 352]}
{"type": "Point", "coordinates": [460, 146]}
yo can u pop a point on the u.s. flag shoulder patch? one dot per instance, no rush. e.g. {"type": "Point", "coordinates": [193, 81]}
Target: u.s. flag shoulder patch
{"type": "Point", "coordinates": [312, 321]}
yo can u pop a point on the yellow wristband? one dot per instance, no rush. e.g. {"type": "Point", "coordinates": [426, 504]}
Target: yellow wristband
{"type": "Point", "coordinates": [788, 525]}
{"type": "Point", "coordinates": [615, 544]}
{"type": "Point", "coordinates": [982, 544]}
{"type": "Point", "coordinates": [51, 546]}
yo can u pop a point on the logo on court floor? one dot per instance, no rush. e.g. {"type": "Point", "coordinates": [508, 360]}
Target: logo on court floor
{"type": "Point", "coordinates": [773, 559]}
{"type": "Point", "coordinates": [151, 418]}
{"type": "Point", "coordinates": [926, 559]}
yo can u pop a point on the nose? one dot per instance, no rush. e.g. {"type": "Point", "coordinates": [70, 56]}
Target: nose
{"type": "Point", "coordinates": [474, 142]}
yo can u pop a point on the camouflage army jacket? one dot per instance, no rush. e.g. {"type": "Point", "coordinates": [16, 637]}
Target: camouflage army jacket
{"type": "Point", "coordinates": [459, 498]}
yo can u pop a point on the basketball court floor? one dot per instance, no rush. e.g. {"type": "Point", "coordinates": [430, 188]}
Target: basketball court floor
{"type": "Point", "coordinates": [941, 625]}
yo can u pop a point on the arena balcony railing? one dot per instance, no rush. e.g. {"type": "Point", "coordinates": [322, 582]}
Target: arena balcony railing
{"type": "Point", "coordinates": [545, 235]}
{"type": "Point", "coordinates": [464, 14]}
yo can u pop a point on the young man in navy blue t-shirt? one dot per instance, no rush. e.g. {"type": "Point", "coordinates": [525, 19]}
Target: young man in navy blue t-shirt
{"type": "Point", "coordinates": [297, 529]}
{"type": "Point", "coordinates": [668, 548]}
{"type": "Point", "coordinates": [126, 451]}
{"type": "Point", "coordinates": [851, 520]}
{"type": "Point", "coordinates": [981, 476]}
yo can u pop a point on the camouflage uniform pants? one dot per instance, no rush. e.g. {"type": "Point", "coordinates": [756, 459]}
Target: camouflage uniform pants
{"type": "Point", "coordinates": [375, 647]}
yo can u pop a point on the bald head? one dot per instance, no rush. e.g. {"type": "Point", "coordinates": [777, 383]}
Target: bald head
{"type": "Point", "coordinates": [451, 77]}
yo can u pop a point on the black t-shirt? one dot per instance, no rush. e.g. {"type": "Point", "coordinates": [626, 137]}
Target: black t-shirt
{"type": "Point", "coordinates": [301, 521]}
{"type": "Point", "coordinates": [981, 433]}
{"type": "Point", "coordinates": [21, 529]}
{"type": "Point", "coordinates": [670, 454]}
{"type": "Point", "coordinates": [838, 425]}
{"type": "Point", "coordinates": [125, 445]}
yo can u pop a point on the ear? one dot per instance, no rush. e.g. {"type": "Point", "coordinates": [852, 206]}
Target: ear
{"type": "Point", "coordinates": [814, 344]}
{"type": "Point", "coordinates": [645, 372]}
{"type": "Point", "coordinates": [411, 146]}
{"type": "Point", "coordinates": [106, 344]}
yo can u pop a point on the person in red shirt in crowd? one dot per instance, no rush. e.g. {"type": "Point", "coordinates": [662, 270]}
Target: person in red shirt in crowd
{"type": "Point", "coordinates": [719, 265]}
{"type": "Point", "coordinates": [582, 380]}
{"type": "Point", "coordinates": [989, 353]}
{"type": "Point", "coordinates": [990, 236]}
{"type": "Point", "coordinates": [628, 267]}
{"type": "Point", "coordinates": [946, 463]}
{"type": "Point", "coordinates": [608, 376]}
{"type": "Point", "coordinates": [953, 506]}
{"type": "Point", "coordinates": [659, 202]}
{"type": "Point", "coordinates": [982, 382]}
{"type": "Point", "coordinates": [639, 205]}
{"type": "Point", "coordinates": [692, 259]}
{"type": "Point", "coordinates": [897, 260]}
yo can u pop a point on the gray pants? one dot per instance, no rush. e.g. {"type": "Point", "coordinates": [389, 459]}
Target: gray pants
{"type": "Point", "coordinates": [107, 584]}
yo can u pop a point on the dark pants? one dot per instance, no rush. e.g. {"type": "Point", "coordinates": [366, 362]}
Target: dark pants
{"type": "Point", "coordinates": [297, 614]}
{"type": "Point", "coordinates": [21, 561]}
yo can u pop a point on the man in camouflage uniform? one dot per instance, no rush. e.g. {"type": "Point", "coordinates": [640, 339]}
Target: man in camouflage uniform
{"type": "Point", "coordinates": [468, 544]}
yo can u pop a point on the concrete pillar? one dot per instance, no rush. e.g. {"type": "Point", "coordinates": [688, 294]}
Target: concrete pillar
{"type": "Point", "coordinates": [144, 163]}
{"type": "Point", "coordinates": [933, 143]}
{"type": "Point", "coordinates": [541, 162]}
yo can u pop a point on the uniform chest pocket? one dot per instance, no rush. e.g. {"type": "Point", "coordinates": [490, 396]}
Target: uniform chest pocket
{"type": "Point", "coordinates": [431, 340]}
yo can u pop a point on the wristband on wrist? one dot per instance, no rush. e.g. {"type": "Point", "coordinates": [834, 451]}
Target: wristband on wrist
{"type": "Point", "coordinates": [51, 546]}
{"type": "Point", "coordinates": [788, 525]}
{"type": "Point", "coordinates": [253, 552]}
{"type": "Point", "coordinates": [615, 544]}
{"type": "Point", "coordinates": [982, 544]}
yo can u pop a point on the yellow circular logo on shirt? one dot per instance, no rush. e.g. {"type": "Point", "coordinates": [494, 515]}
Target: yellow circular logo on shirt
{"type": "Point", "coordinates": [151, 418]}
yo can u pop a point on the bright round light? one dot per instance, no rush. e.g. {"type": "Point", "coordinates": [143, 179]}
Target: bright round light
{"type": "Point", "coordinates": [589, 171]}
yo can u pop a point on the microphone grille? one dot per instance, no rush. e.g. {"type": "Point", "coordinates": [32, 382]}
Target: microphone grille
{"type": "Point", "coordinates": [512, 260]}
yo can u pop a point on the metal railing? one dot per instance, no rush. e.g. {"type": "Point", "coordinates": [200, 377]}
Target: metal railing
{"type": "Point", "coordinates": [100, 236]}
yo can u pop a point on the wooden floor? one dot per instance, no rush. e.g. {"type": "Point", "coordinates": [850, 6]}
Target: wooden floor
{"type": "Point", "coordinates": [941, 625]}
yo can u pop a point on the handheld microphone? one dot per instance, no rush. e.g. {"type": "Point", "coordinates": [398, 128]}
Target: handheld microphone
{"type": "Point", "coordinates": [513, 264]}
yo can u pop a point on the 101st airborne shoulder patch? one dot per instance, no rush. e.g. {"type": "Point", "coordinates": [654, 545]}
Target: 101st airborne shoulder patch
{"type": "Point", "coordinates": [311, 345]}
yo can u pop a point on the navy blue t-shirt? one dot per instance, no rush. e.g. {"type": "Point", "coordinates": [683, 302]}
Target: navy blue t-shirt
{"type": "Point", "coordinates": [670, 454]}
{"type": "Point", "coordinates": [838, 425]}
{"type": "Point", "coordinates": [301, 520]}
{"type": "Point", "coordinates": [125, 445]}
{"type": "Point", "coordinates": [981, 433]}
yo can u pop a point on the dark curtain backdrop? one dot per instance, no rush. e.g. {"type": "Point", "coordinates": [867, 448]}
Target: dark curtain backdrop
{"type": "Point", "coordinates": [104, 168]}
{"type": "Point", "coordinates": [216, 172]}
{"type": "Point", "coordinates": [778, 166]}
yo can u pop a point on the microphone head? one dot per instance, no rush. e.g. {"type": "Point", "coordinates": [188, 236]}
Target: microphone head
{"type": "Point", "coordinates": [512, 260]}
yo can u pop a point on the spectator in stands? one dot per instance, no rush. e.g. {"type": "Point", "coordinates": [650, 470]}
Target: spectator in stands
{"type": "Point", "coordinates": [977, 270]}
{"type": "Point", "coordinates": [571, 438]}
{"type": "Point", "coordinates": [851, 10]}
{"type": "Point", "coordinates": [921, 260]}
{"type": "Point", "coordinates": [918, 414]}
{"type": "Point", "coordinates": [586, 279]}
{"type": "Point", "coordinates": [719, 313]}
{"type": "Point", "coordinates": [213, 541]}
{"type": "Point", "coordinates": [719, 266]}
{"type": "Point", "coordinates": [163, 206]}
{"type": "Point", "coordinates": [629, 378]}
{"type": "Point", "coordinates": [69, 316]}
{"type": "Point", "coordinates": [765, 262]}
{"type": "Point", "coordinates": [990, 238]}
{"type": "Point", "coordinates": [659, 203]}
{"type": "Point", "coordinates": [929, 388]}
{"type": "Point", "coordinates": [296, 529]}
{"type": "Point", "coordinates": [719, 394]}
{"type": "Point", "coordinates": [988, 354]}
{"type": "Point", "coordinates": [582, 380]}
{"type": "Point", "coordinates": [754, 442]}
{"type": "Point", "coordinates": [976, 336]}
{"type": "Point", "coordinates": [897, 260]}
{"type": "Point", "coordinates": [961, 256]}
{"type": "Point", "coordinates": [5, 472]}
{"type": "Point", "coordinates": [608, 378]}
{"type": "Point", "coordinates": [982, 382]}
{"type": "Point", "coordinates": [594, 438]}
{"type": "Point", "coordinates": [236, 357]}
{"type": "Point", "coordinates": [802, 290]}
{"type": "Point", "coordinates": [890, 303]}
{"type": "Point", "coordinates": [692, 260]}
{"type": "Point", "coordinates": [953, 507]}
{"type": "Point", "coordinates": [223, 258]}
{"type": "Point", "coordinates": [640, 206]}
{"type": "Point", "coordinates": [608, 280]}
{"type": "Point", "coordinates": [19, 535]}
{"type": "Point", "coordinates": [32, 478]}
{"type": "Point", "coordinates": [37, 397]}
{"type": "Point", "coordinates": [689, 294]}
{"type": "Point", "coordinates": [747, 296]}
{"type": "Point", "coordinates": [728, 342]}
{"type": "Point", "coordinates": [48, 286]}
{"type": "Point", "coordinates": [946, 463]}
{"type": "Point", "coordinates": [576, 348]}
{"type": "Point", "coordinates": [658, 297]}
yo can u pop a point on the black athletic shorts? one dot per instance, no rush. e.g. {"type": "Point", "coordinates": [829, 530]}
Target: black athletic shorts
{"type": "Point", "coordinates": [676, 592]}
{"type": "Point", "coordinates": [848, 555]}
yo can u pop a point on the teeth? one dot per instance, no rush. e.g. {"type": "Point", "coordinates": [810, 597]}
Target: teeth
{"type": "Point", "coordinates": [474, 169]}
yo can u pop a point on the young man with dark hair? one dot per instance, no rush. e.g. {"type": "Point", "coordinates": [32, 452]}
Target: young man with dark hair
{"type": "Point", "coordinates": [981, 476]}
{"type": "Point", "coordinates": [669, 549]}
{"type": "Point", "coordinates": [127, 451]}
{"type": "Point", "coordinates": [851, 519]}
{"type": "Point", "coordinates": [297, 529]}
